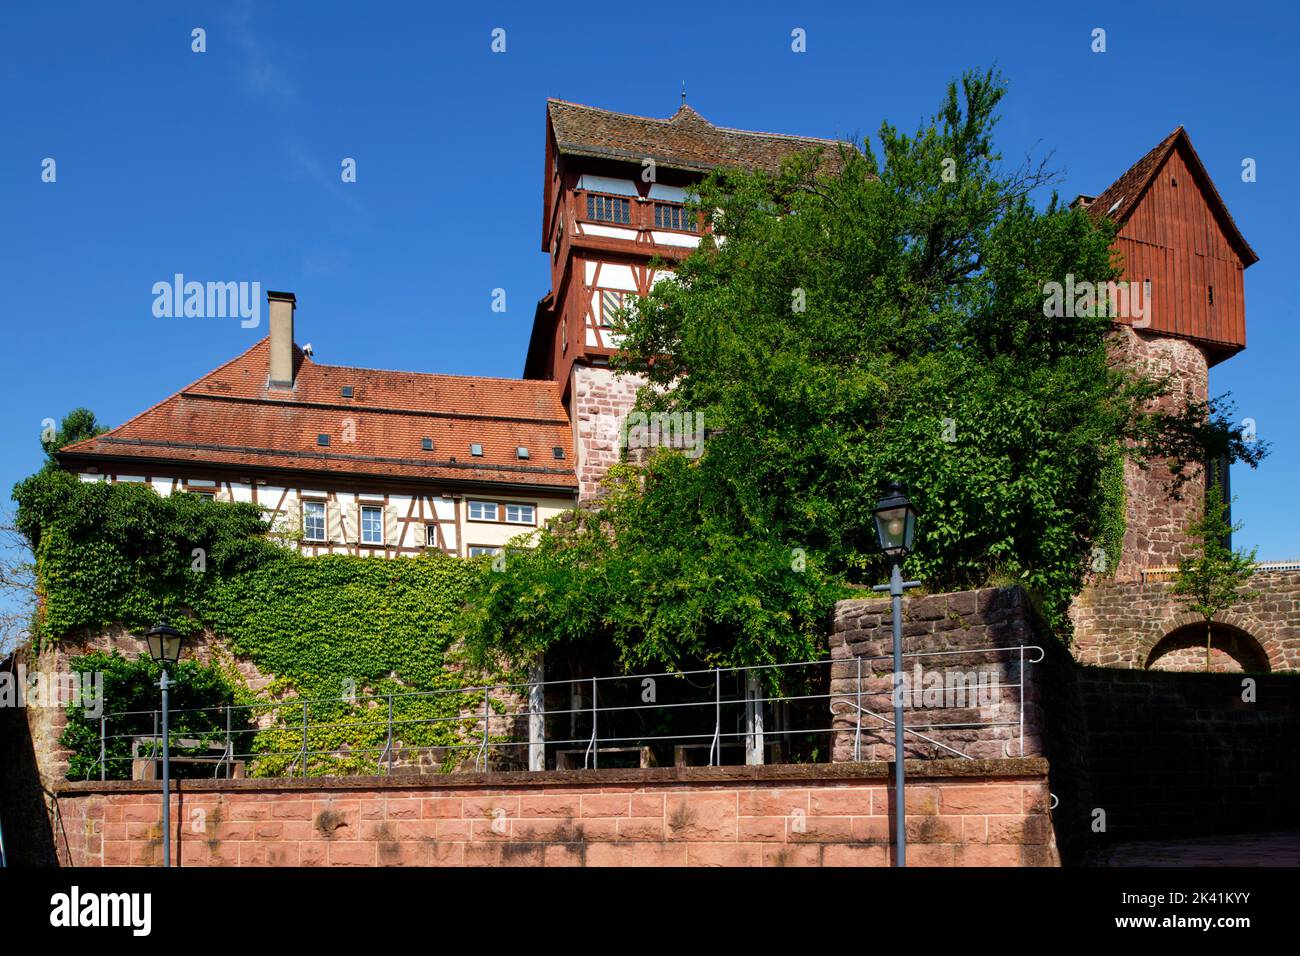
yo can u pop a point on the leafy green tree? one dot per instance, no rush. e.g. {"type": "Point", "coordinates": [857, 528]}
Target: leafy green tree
{"type": "Point", "coordinates": [130, 700]}
{"type": "Point", "coordinates": [1214, 580]}
{"type": "Point", "coordinates": [78, 425]}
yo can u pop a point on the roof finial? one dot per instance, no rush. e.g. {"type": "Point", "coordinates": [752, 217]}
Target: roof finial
{"type": "Point", "coordinates": [683, 92]}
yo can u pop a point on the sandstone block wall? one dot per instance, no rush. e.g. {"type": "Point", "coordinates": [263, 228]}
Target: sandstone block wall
{"type": "Point", "coordinates": [1120, 624]}
{"type": "Point", "coordinates": [600, 401]}
{"type": "Point", "coordinates": [1175, 754]}
{"type": "Point", "coordinates": [992, 813]}
{"type": "Point", "coordinates": [1155, 533]}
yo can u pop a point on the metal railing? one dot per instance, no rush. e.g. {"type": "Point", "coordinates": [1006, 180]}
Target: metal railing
{"type": "Point", "coordinates": [680, 716]}
{"type": "Point", "coordinates": [1151, 575]}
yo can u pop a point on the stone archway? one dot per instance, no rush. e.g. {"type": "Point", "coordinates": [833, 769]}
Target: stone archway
{"type": "Point", "coordinates": [1232, 650]}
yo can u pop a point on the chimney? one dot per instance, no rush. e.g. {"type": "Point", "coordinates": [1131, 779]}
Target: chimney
{"type": "Point", "coordinates": [280, 306]}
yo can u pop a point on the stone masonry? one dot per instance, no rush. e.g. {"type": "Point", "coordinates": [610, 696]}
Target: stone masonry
{"type": "Point", "coordinates": [1156, 522]}
{"type": "Point", "coordinates": [974, 813]}
{"type": "Point", "coordinates": [1121, 624]}
{"type": "Point", "coordinates": [600, 401]}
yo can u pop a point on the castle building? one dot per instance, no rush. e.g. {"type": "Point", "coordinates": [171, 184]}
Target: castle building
{"type": "Point", "coordinates": [393, 463]}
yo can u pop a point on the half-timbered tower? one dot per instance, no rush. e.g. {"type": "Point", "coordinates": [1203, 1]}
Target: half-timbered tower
{"type": "Point", "coordinates": [613, 200]}
{"type": "Point", "coordinates": [1176, 240]}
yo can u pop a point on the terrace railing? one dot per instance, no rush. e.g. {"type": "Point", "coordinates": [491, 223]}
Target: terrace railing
{"type": "Point", "coordinates": [960, 704]}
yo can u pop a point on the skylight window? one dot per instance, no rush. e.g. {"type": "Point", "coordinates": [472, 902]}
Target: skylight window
{"type": "Point", "coordinates": [347, 391]}
{"type": "Point", "coordinates": [476, 450]}
{"type": "Point", "coordinates": [1118, 202]}
{"type": "Point", "coordinates": [521, 452]}
{"type": "Point", "coordinates": [426, 444]}
{"type": "Point", "coordinates": [557, 453]}
{"type": "Point", "coordinates": [322, 439]}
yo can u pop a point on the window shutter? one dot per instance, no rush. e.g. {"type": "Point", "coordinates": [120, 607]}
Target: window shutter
{"type": "Point", "coordinates": [356, 522]}
{"type": "Point", "coordinates": [392, 530]}
{"type": "Point", "coordinates": [334, 521]}
{"type": "Point", "coordinates": [220, 493]}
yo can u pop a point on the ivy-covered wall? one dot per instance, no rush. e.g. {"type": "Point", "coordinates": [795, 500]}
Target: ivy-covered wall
{"type": "Point", "coordinates": [334, 631]}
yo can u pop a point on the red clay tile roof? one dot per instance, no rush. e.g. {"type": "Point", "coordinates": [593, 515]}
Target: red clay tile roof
{"type": "Point", "coordinates": [230, 417]}
{"type": "Point", "coordinates": [1121, 197]}
{"type": "Point", "coordinates": [685, 141]}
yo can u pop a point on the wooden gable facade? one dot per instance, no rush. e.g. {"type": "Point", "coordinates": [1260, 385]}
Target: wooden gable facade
{"type": "Point", "coordinates": [1176, 233]}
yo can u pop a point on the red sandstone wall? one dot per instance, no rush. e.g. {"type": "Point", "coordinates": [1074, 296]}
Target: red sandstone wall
{"type": "Point", "coordinates": [600, 401]}
{"type": "Point", "coordinates": [974, 813]}
{"type": "Point", "coordinates": [1155, 535]}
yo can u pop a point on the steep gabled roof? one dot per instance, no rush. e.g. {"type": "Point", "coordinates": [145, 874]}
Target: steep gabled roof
{"type": "Point", "coordinates": [230, 417]}
{"type": "Point", "coordinates": [1122, 196]}
{"type": "Point", "coordinates": [684, 141]}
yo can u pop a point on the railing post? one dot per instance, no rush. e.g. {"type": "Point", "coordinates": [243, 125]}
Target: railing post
{"type": "Point", "coordinates": [537, 716]}
{"type": "Point", "coordinates": [595, 739]}
{"type": "Point", "coordinates": [102, 719]}
{"type": "Point", "coordinates": [230, 747]}
{"type": "Point", "coordinates": [857, 730]}
{"type": "Point", "coordinates": [303, 755]}
{"type": "Point", "coordinates": [389, 747]}
{"type": "Point", "coordinates": [1022, 700]}
{"type": "Point", "coordinates": [754, 749]}
{"type": "Point", "coordinates": [483, 745]}
{"type": "Point", "coordinates": [715, 748]}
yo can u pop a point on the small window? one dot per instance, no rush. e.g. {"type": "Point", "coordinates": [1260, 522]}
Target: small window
{"type": "Point", "coordinates": [482, 511]}
{"type": "Point", "coordinates": [557, 453]}
{"type": "Point", "coordinates": [206, 495]}
{"type": "Point", "coordinates": [520, 514]}
{"type": "Point", "coordinates": [347, 391]}
{"type": "Point", "coordinates": [609, 208]}
{"type": "Point", "coordinates": [673, 216]}
{"type": "Point", "coordinates": [323, 439]}
{"type": "Point", "coordinates": [372, 524]}
{"type": "Point", "coordinates": [431, 536]}
{"type": "Point", "coordinates": [521, 452]}
{"type": "Point", "coordinates": [476, 550]}
{"type": "Point", "coordinates": [426, 444]}
{"type": "Point", "coordinates": [313, 520]}
{"type": "Point", "coordinates": [1211, 295]}
{"type": "Point", "coordinates": [476, 450]}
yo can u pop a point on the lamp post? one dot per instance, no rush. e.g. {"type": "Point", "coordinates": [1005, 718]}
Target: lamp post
{"type": "Point", "coordinates": [895, 525]}
{"type": "Point", "coordinates": [165, 648]}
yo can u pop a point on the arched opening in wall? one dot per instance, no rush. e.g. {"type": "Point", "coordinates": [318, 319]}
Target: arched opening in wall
{"type": "Point", "coordinates": [1232, 650]}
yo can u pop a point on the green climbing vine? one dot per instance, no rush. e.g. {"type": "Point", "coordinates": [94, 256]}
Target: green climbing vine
{"type": "Point", "coordinates": [337, 633]}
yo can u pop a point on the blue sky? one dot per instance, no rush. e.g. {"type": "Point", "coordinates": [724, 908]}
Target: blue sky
{"type": "Point", "coordinates": [225, 165]}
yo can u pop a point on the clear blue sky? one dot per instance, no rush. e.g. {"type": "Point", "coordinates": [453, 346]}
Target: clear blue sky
{"type": "Point", "coordinates": [225, 165]}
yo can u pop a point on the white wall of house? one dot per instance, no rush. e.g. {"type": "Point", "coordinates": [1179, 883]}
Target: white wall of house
{"type": "Point", "coordinates": [377, 524]}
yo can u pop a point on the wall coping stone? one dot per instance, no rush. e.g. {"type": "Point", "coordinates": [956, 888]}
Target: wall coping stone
{"type": "Point", "coordinates": [826, 772]}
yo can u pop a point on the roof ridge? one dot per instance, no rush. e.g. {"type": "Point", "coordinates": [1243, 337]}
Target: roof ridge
{"type": "Point", "coordinates": [375, 409]}
{"type": "Point", "coordinates": [668, 121]}
{"type": "Point", "coordinates": [482, 378]}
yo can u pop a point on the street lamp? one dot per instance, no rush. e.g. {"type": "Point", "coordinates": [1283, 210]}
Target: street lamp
{"type": "Point", "coordinates": [165, 648]}
{"type": "Point", "coordinates": [895, 518]}
{"type": "Point", "coordinates": [895, 522]}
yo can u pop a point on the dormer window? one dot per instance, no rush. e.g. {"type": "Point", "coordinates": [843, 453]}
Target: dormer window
{"type": "Point", "coordinates": [609, 208]}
